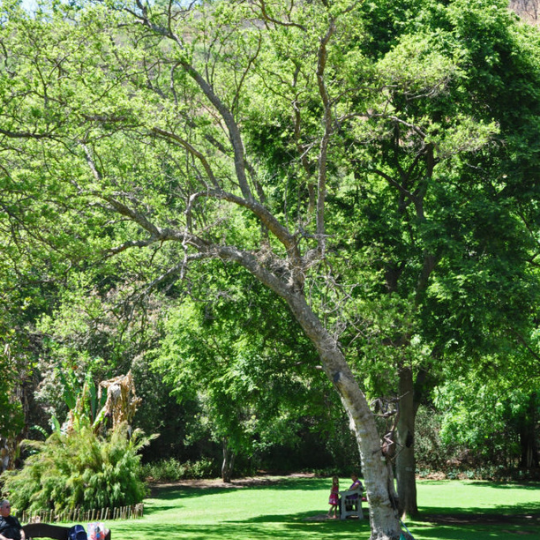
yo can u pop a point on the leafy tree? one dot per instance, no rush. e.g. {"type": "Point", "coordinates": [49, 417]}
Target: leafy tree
{"type": "Point", "coordinates": [243, 364]}
{"type": "Point", "coordinates": [136, 127]}
{"type": "Point", "coordinates": [106, 138]}
{"type": "Point", "coordinates": [495, 424]}
{"type": "Point", "coordinates": [21, 300]}
{"type": "Point", "coordinates": [95, 330]}
{"type": "Point", "coordinates": [436, 155]}
{"type": "Point", "coordinates": [493, 411]}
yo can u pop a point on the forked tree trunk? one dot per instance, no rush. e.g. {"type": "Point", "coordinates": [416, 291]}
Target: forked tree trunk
{"type": "Point", "coordinates": [405, 461]}
{"type": "Point", "coordinates": [384, 520]}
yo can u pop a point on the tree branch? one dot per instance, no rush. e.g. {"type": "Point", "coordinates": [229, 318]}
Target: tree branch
{"type": "Point", "coordinates": [323, 154]}
{"type": "Point", "coordinates": [191, 150]}
{"type": "Point", "coordinates": [24, 134]}
{"type": "Point", "coordinates": [268, 18]}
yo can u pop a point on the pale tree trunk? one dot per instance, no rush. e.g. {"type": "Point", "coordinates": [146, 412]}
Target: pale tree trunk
{"type": "Point", "coordinates": [405, 461]}
{"type": "Point", "coordinates": [384, 519]}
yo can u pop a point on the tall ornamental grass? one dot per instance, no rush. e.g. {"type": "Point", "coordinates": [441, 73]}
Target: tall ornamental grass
{"type": "Point", "coordinates": [79, 470]}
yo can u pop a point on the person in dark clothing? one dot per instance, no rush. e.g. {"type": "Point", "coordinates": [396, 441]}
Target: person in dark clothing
{"type": "Point", "coordinates": [10, 528]}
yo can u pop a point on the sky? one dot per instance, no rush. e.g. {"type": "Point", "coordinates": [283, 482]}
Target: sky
{"type": "Point", "coordinates": [29, 4]}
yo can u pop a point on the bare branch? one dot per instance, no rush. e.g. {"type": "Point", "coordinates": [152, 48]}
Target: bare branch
{"type": "Point", "coordinates": [321, 189]}
{"type": "Point", "coordinates": [191, 150]}
{"type": "Point", "coordinates": [414, 199]}
{"type": "Point", "coordinates": [24, 134]}
{"type": "Point", "coordinates": [267, 218]}
{"type": "Point", "coordinates": [179, 268]}
{"type": "Point", "coordinates": [268, 18]}
{"type": "Point", "coordinates": [133, 244]}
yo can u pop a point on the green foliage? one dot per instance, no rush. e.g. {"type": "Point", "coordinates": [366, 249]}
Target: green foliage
{"type": "Point", "coordinates": [430, 452]}
{"type": "Point", "coordinates": [251, 388]}
{"type": "Point", "coordinates": [253, 377]}
{"type": "Point", "coordinates": [94, 333]}
{"type": "Point", "coordinates": [171, 470]}
{"type": "Point", "coordinates": [11, 416]}
{"type": "Point", "coordinates": [487, 419]}
{"type": "Point", "coordinates": [121, 135]}
{"type": "Point", "coordinates": [79, 470]}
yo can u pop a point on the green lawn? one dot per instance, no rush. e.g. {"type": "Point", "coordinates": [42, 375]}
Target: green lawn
{"type": "Point", "coordinates": [282, 510]}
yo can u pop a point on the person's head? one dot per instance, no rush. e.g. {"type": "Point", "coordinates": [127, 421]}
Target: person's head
{"type": "Point", "coordinates": [335, 481]}
{"type": "Point", "coordinates": [5, 508]}
{"type": "Point", "coordinates": [354, 477]}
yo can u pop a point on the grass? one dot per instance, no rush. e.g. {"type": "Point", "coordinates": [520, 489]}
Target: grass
{"type": "Point", "coordinates": [281, 510]}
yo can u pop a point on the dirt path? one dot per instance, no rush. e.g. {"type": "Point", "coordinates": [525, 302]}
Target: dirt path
{"type": "Point", "coordinates": [263, 480]}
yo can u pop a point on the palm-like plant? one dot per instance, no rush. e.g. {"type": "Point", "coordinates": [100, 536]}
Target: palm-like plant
{"type": "Point", "coordinates": [80, 470]}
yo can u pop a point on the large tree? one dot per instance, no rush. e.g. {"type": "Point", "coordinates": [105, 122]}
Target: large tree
{"type": "Point", "coordinates": [451, 162]}
{"type": "Point", "coordinates": [444, 166]}
{"type": "Point", "coordinates": [141, 132]}
{"type": "Point", "coordinates": [135, 125]}
{"type": "Point", "coordinates": [242, 357]}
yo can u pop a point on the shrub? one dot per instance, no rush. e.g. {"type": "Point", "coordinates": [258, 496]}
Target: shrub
{"type": "Point", "coordinates": [171, 470]}
{"type": "Point", "coordinates": [79, 470]}
{"type": "Point", "coordinates": [164, 470]}
{"type": "Point", "coordinates": [204, 468]}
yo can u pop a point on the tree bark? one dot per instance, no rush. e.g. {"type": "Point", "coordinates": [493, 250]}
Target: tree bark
{"type": "Point", "coordinates": [405, 461]}
{"type": "Point", "coordinates": [527, 437]}
{"type": "Point", "coordinates": [228, 462]}
{"type": "Point", "coordinates": [384, 520]}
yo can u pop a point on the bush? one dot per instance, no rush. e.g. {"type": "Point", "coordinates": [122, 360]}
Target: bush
{"type": "Point", "coordinates": [79, 470]}
{"type": "Point", "coordinates": [171, 470]}
{"type": "Point", "coordinates": [165, 470]}
{"type": "Point", "coordinates": [431, 454]}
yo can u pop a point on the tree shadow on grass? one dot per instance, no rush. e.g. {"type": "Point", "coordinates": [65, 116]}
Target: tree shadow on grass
{"type": "Point", "coordinates": [301, 517]}
{"type": "Point", "coordinates": [294, 528]}
{"type": "Point", "coordinates": [273, 527]}
{"type": "Point", "coordinates": [501, 511]}
{"type": "Point", "coordinates": [285, 483]}
{"type": "Point", "coordinates": [502, 521]}
{"type": "Point", "coordinates": [529, 486]}
{"type": "Point", "coordinates": [485, 532]}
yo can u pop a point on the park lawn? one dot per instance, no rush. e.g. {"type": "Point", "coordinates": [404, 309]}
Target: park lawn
{"type": "Point", "coordinates": [287, 508]}
{"type": "Point", "coordinates": [500, 510]}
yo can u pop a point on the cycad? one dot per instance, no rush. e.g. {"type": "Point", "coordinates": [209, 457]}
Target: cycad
{"type": "Point", "coordinates": [81, 469]}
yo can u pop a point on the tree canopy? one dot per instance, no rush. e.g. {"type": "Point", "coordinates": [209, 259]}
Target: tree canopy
{"type": "Point", "coordinates": [373, 165]}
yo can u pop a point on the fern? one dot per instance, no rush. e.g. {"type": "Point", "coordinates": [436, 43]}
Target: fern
{"type": "Point", "coordinates": [80, 469]}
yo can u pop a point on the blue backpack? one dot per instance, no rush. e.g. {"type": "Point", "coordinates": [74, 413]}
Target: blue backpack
{"type": "Point", "coordinates": [77, 532]}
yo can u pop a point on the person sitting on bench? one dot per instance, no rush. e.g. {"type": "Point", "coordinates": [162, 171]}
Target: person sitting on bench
{"type": "Point", "coordinates": [353, 498]}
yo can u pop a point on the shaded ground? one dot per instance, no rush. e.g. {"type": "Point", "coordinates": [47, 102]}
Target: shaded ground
{"type": "Point", "coordinates": [262, 480]}
{"type": "Point", "coordinates": [482, 519]}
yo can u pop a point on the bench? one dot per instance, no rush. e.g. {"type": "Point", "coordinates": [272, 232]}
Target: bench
{"type": "Point", "coordinates": [350, 507]}
{"type": "Point", "coordinates": [56, 532]}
